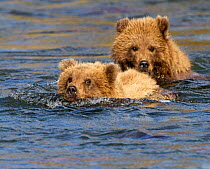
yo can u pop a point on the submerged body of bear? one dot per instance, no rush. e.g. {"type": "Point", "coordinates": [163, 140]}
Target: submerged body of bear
{"type": "Point", "coordinates": [83, 80]}
{"type": "Point", "coordinates": [145, 45]}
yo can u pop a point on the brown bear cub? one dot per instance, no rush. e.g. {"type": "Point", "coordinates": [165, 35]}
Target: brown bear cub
{"type": "Point", "coordinates": [83, 80]}
{"type": "Point", "coordinates": [145, 45]}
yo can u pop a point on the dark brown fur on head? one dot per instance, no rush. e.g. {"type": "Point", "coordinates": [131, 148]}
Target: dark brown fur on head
{"type": "Point", "coordinates": [145, 45]}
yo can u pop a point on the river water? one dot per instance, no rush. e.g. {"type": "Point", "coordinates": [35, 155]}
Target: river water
{"type": "Point", "coordinates": [38, 129]}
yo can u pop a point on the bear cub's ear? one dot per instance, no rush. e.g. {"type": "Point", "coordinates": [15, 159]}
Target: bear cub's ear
{"type": "Point", "coordinates": [111, 72]}
{"type": "Point", "coordinates": [66, 63]}
{"type": "Point", "coordinates": [122, 24]}
{"type": "Point", "coordinates": [163, 25]}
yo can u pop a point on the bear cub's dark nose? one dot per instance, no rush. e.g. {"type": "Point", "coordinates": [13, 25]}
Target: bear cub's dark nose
{"type": "Point", "coordinates": [144, 64]}
{"type": "Point", "coordinates": [71, 90]}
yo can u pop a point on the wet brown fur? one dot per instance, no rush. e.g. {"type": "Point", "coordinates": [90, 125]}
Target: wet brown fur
{"type": "Point", "coordinates": [106, 81]}
{"type": "Point", "coordinates": [151, 40]}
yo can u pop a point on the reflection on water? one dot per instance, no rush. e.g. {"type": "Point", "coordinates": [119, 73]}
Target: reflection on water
{"type": "Point", "coordinates": [38, 129]}
{"type": "Point", "coordinates": [53, 24]}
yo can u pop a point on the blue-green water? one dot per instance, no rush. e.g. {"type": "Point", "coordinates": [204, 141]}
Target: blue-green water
{"type": "Point", "coordinates": [38, 129]}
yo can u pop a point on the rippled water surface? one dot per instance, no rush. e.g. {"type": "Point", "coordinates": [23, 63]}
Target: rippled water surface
{"type": "Point", "coordinates": [38, 129]}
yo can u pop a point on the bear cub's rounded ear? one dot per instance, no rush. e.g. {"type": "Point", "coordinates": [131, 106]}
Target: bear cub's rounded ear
{"type": "Point", "coordinates": [163, 25]}
{"type": "Point", "coordinates": [66, 63]}
{"type": "Point", "coordinates": [122, 24]}
{"type": "Point", "coordinates": [111, 72]}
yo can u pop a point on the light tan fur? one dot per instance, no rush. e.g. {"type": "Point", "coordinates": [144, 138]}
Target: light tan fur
{"type": "Point", "coordinates": [135, 84]}
{"type": "Point", "coordinates": [148, 39]}
{"type": "Point", "coordinates": [106, 80]}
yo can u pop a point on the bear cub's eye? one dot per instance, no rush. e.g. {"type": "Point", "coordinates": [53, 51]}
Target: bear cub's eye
{"type": "Point", "coordinates": [134, 48]}
{"type": "Point", "coordinates": [151, 49]}
{"type": "Point", "coordinates": [88, 82]}
{"type": "Point", "coordinates": [70, 79]}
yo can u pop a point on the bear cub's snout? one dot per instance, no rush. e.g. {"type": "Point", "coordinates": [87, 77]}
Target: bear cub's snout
{"type": "Point", "coordinates": [143, 66]}
{"type": "Point", "coordinates": [71, 91]}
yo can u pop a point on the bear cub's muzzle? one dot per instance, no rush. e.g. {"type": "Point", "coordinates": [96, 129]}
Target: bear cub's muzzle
{"type": "Point", "coordinates": [71, 92]}
{"type": "Point", "coordinates": [143, 66]}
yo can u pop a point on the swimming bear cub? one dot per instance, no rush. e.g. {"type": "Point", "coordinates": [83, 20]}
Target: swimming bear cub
{"type": "Point", "coordinates": [144, 44]}
{"type": "Point", "coordinates": [86, 80]}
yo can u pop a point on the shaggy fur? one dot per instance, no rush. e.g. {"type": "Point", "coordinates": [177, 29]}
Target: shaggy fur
{"type": "Point", "coordinates": [82, 80]}
{"type": "Point", "coordinates": [148, 39]}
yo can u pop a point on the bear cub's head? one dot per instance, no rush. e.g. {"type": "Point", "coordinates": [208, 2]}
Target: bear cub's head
{"type": "Point", "coordinates": [83, 80]}
{"type": "Point", "coordinates": [141, 43]}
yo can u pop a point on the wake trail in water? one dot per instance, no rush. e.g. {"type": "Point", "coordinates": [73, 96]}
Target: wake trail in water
{"type": "Point", "coordinates": [46, 95]}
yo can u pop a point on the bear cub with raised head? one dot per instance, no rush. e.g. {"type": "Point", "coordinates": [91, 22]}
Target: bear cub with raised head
{"type": "Point", "coordinates": [84, 80]}
{"type": "Point", "coordinates": [145, 45]}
